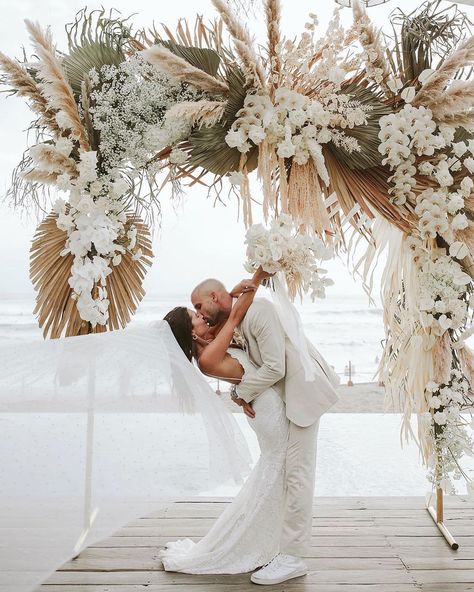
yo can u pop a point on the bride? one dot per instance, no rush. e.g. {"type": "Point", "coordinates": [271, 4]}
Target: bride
{"type": "Point", "coordinates": [246, 535]}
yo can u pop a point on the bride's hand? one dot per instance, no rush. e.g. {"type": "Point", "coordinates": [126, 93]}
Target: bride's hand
{"type": "Point", "coordinates": [242, 287]}
{"type": "Point", "coordinates": [247, 407]}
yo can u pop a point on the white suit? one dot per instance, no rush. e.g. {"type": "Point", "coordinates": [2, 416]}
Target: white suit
{"type": "Point", "coordinates": [280, 366]}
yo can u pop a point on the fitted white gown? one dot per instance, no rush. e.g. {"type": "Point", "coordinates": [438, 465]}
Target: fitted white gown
{"type": "Point", "coordinates": [247, 534]}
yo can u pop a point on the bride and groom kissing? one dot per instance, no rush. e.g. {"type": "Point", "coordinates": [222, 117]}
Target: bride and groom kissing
{"type": "Point", "coordinates": [284, 386]}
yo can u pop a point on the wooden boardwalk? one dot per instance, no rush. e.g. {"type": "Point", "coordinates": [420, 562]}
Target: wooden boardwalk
{"type": "Point", "coordinates": [359, 544]}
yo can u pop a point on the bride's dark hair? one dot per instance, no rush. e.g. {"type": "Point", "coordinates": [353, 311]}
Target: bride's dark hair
{"type": "Point", "coordinates": [182, 329]}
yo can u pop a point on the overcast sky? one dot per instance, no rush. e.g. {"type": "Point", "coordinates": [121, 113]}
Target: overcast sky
{"type": "Point", "coordinates": [197, 240]}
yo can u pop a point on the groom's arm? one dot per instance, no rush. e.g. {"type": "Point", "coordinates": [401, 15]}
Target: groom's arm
{"type": "Point", "coordinates": [266, 328]}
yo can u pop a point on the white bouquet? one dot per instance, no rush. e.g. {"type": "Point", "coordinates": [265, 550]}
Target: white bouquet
{"type": "Point", "coordinates": [284, 248]}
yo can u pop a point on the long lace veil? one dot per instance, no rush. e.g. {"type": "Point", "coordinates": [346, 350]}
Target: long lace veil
{"type": "Point", "coordinates": [99, 430]}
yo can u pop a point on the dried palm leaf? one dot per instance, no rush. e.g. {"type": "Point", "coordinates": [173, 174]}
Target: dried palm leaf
{"type": "Point", "coordinates": [367, 135]}
{"type": "Point", "coordinates": [368, 187]}
{"type": "Point", "coordinates": [425, 36]}
{"type": "Point", "coordinates": [95, 39]}
{"type": "Point", "coordinates": [208, 148]}
{"type": "Point", "coordinates": [49, 272]}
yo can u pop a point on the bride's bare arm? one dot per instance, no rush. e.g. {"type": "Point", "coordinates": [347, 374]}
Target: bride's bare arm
{"type": "Point", "coordinates": [214, 353]}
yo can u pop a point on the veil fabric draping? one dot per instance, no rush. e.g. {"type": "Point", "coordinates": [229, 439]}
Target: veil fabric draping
{"type": "Point", "coordinates": [96, 431]}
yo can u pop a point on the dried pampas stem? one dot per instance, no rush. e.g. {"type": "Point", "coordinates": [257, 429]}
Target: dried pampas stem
{"type": "Point", "coordinates": [166, 60]}
{"type": "Point", "coordinates": [273, 17]}
{"type": "Point", "coordinates": [466, 358]}
{"type": "Point", "coordinates": [437, 82]}
{"type": "Point", "coordinates": [442, 359]}
{"type": "Point", "coordinates": [23, 84]}
{"type": "Point", "coordinates": [55, 87]}
{"type": "Point", "coordinates": [250, 62]}
{"type": "Point", "coordinates": [202, 113]}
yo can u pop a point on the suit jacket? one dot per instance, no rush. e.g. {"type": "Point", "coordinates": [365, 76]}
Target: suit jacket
{"type": "Point", "coordinates": [279, 366]}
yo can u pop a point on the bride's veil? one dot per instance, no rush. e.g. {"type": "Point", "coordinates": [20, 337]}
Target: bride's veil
{"type": "Point", "coordinates": [99, 430]}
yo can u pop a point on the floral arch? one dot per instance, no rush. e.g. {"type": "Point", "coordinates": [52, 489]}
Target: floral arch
{"type": "Point", "coordinates": [354, 136]}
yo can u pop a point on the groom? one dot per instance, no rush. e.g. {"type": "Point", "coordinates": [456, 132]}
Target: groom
{"type": "Point", "coordinates": [280, 367]}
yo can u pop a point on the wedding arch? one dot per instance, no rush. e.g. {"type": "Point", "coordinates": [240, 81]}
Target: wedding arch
{"type": "Point", "coordinates": [356, 138]}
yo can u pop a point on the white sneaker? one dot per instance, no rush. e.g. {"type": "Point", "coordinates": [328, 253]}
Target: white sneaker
{"type": "Point", "coordinates": [279, 569]}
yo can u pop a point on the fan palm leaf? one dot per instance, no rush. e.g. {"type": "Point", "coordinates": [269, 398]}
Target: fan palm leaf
{"type": "Point", "coordinates": [49, 272]}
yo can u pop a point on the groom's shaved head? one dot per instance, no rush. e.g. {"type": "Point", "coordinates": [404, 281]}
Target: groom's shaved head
{"type": "Point", "coordinates": [212, 301]}
{"type": "Point", "coordinates": [208, 286]}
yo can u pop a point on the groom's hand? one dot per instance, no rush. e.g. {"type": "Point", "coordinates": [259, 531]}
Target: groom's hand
{"type": "Point", "coordinates": [247, 407]}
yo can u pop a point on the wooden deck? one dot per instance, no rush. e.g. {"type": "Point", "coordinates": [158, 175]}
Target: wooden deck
{"type": "Point", "coordinates": [359, 544]}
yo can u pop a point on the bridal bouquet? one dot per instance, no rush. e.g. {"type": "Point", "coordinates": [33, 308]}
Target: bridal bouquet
{"type": "Point", "coordinates": [284, 248]}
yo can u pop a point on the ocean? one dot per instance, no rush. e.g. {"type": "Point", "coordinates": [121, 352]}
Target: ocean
{"type": "Point", "coordinates": [343, 329]}
{"type": "Point", "coordinates": [358, 453]}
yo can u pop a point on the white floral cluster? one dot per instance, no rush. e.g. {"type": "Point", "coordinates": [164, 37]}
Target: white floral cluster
{"type": "Point", "coordinates": [442, 285]}
{"type": "Point", "coordinates": [332, 65]}
{"type": "Point", "coordinates": [448, 425]}
{"type": "Point", "coordinates": [283, 248]}
{"type": "Point", "coordinates": [129, 105]}
{"type": "Point", "coordinates": [414, 144]}
{"type": "Point", "coordinates": [97, 235]}
{"type": "Point", "coordinates": [297, 125]}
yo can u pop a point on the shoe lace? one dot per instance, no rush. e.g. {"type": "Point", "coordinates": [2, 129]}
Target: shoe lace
{"type": "Point", "coordinates": [272, 564]}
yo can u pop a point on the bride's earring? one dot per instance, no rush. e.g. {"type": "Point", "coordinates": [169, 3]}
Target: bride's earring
{"type": "Point", "coordinates": [195, 336]}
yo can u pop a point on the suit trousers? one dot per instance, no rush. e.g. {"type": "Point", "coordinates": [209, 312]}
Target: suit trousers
{"type": "Point", "coordinates": [300, 476]}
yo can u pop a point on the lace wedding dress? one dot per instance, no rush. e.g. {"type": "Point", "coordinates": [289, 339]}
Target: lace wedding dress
{"type": "Point", "coordinates": [247, 534]}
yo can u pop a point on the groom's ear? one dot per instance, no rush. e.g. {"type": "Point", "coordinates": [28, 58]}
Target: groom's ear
{"type": "Point", "coordinates": [213, 296]}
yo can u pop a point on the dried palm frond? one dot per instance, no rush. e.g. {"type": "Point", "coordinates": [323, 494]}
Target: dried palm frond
{"type": "Point", "coordinates": [180, 68]}
{"type": "Point", "coordinates": [249, 60]}
{"type": "Point", "coordinates": [366, 135]}
{"type": "Point", "coordinates": [366, 187]}
{"type": "Point", "coordinates": [207, 146]}
{"type": "Point", "coordinates": [95, 39]}
{"type": "Point", "coordinates": [273, 18]}
{"type": "Point", "coordinates": [54, 86]}
{"type": "Point", "coordinates": [433, 90]}
{"type": "Point", "coordinates": [425, 36]}
{"type": "Point", "coordinates": [50, 272]}
{"type": "Point", "coordinates": [202, 58]}
{"type": "Point", "coordinates": [23, 84]}
{"type": "Point", "coordinates": [186, 43]}
{"type": "Point", "coordinates": [201, 113]}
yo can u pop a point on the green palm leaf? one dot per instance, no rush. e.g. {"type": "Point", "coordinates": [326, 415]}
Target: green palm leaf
{"type": "Point", "coordinates": [203, 58]}
{"type": "Point", "coordinates": [90, 55]}
{"type": "Point", "coordinates": [208, 146]}
{"type": "Point", "coordinates": [366, 135]}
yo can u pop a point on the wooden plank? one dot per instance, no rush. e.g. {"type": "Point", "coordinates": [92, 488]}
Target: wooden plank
{"type": "Point", "coordinates": [296, 585]}
{"type": "Point", "coordinates": [347, 576]}
{"type": "Point", "coordinates": [147, 559]}
{"type": "Point", "coordinates": [316, 551]}
{"type": "Point", "coordinates": [198, 528]}
{"type": "Point", "coordinates": [434, 576]}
